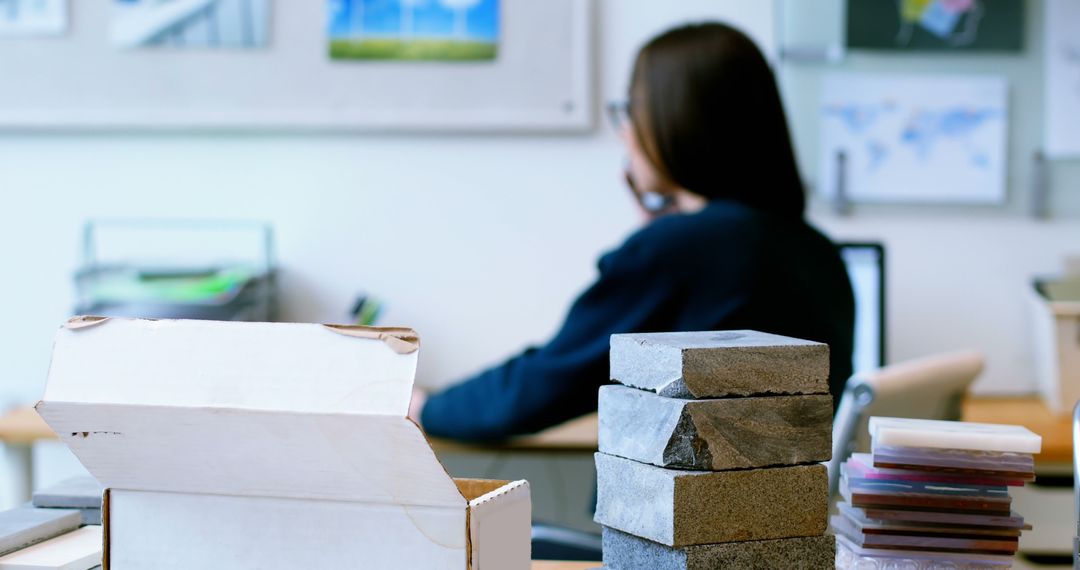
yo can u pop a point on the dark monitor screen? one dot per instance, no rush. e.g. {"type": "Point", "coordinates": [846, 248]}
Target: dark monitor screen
{"type": "Point", "coordinates": [866, 267]}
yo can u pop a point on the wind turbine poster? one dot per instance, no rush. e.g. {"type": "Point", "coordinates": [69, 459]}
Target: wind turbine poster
{"type": "Point", "coordinates": [413, 30]}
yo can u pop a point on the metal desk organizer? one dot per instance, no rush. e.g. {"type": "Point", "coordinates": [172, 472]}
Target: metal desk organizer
{"type": "Point", "coordinates": [163, 285]}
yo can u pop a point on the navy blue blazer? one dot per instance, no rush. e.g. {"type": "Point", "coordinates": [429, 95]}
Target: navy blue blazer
{"type": "Point", "coordinates": [726, 267]}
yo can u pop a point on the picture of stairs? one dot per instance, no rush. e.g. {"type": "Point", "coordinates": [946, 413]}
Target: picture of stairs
{"type": "Point", "coordinates": [180, 24]}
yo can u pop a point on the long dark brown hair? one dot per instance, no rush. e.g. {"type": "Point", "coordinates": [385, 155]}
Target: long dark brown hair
{"type": "Point", "coordinates": [705, 105]}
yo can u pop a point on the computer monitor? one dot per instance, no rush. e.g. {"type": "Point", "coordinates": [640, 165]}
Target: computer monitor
{"type": "Point", "coordinates": [866, 267]}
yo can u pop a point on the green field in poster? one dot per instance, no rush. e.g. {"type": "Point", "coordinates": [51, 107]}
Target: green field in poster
{"type": "Point", "coordinates": [392, 49]}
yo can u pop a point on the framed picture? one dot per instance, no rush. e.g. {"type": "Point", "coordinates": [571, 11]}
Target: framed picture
{"type": "Point", "coordinates": [936, 25]}
{"type": "Point", "coordinates": [33, 17]}
{"type": "Point", "coordinates": [914, 138]}
{"type": "Point", "coordinates": [423, 30]}
{"type": "Point", "coordinates": [1062, 76]}
{"type": "Point", "coordinates": [316, 65]}
{"type": "Point", "coordinates": [189, 24]}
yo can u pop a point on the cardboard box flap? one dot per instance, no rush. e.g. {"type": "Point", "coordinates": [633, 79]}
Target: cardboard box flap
{"type": "Point", "coordinates": [335, 457]}
{"type": "Point", "coordinates": [500, 528]}
{"type": "Point", "coordinates": [269, 366]}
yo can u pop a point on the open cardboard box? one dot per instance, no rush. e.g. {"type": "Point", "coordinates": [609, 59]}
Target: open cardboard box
{"type": "Point", "coordinates": [258, 445]}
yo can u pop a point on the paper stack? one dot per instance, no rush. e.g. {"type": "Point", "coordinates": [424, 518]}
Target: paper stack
{"type": "Point", "coordinates": [709, 452]}
{"type": "Point", "coordinates": [933, 493]}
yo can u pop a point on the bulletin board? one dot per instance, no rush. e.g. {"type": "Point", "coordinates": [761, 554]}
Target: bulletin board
{"type": "Point", "coordinates": [539, 81]}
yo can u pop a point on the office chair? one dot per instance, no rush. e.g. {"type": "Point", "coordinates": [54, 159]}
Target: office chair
{"type": "Point", "coordinates": [927, 388]}
{"type": "Point", "coordinates": [1076, 485]}
{"type": "Point", "coordinates": [552, 542]}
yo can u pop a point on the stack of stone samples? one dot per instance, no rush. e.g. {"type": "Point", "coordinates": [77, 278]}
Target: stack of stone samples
{"type": "Point", "coordinates": [710, 449]}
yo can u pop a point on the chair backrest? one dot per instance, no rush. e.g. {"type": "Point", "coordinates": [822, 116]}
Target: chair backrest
{"type": "Point", "coordinates": [926, 388]}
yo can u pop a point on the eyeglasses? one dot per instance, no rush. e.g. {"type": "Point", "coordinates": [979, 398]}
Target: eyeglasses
{"type": "Point", "coordinates": [618, 113]}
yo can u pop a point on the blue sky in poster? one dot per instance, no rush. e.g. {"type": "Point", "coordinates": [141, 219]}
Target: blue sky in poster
{"type": "Point", "coordinates": [478, 21]}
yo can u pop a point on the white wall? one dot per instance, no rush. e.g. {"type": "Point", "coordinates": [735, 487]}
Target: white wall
{"type": "Point", "coordinates": [957, 275]}
{"type": "Point", "coordinates": [960, 281]}
{"type": "Point", "coordinates": [479, 242]}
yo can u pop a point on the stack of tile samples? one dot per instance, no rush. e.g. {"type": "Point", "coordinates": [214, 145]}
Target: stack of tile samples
{"type": "Point", "coordinates": [934, 494]}
{"type": "Point", "coordinates": [26, 526]}
{"type": "Point", "coordinates": [34, 538]}
{"type": "Point", "coordinates": [709, 452]}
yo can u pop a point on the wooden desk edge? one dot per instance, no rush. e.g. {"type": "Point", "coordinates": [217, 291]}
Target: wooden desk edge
{"type": "Point", "coordinates": [23, 426]}
{"type": "Point", "coordinates": [563, 565]}
{"type": "Point", "coordinates": [1030, 412]}
{"type": "Point", "coordinates": [578, 435]}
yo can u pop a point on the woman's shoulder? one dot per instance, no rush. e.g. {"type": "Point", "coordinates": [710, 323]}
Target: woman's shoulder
{"type": "Point", "coordinates": [670, 242]}
{"type": "Point", "coordinates": [719, 224]}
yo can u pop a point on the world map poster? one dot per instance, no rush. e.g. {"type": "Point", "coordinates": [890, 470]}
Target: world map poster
{"type": "Point", "coordinates": [924, 139]}
{"type": "Point", "coordinates": [1062, 90]}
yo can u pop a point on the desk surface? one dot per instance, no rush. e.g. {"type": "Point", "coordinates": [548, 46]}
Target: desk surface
{"type": "Point", "coordinates": [1030, 412]}
{"type": "Point", "coordinates": [23, 426]}
{"type": "Point", "coordinates": [538, 565]}
{"type": "Point", "coordinates": [577, 435]}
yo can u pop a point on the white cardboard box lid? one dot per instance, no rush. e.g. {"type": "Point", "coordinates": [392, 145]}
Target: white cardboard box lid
{"type": "Point", "coordinates": [248, 409]}
{"type": "Point", "coordinates": [299, 367]}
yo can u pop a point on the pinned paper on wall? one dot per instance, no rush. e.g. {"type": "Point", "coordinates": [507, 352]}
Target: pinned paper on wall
{"type": "Point", "coordinates": [978, 25]}
{"type": "Point", "coordinates": [1062, 92]}
{"type": "Point", "coordinates": [33, 17]}
{"type": "Point", "coordinates": [923, 139]}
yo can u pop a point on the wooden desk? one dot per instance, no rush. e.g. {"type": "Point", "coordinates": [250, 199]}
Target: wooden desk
{"type": "Point", "coordinates": [23, 426]}
{"type": "Point", "coordinates": [577, 435]}
{"type": "Point", "coordinates": [545, 565]}
{"type": "Point", "coordinates": [1030, 412]}
{"type": "Point", "coordinates": [19, 429]}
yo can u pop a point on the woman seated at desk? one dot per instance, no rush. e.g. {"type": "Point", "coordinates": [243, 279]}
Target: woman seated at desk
{"type": "Point", "coordinates": [725, 244]}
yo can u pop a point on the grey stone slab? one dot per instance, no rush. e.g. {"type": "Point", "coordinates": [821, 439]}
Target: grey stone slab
{"type": "Point", "coordinates": [684, 508]}
{"type": "Point", "coordinates": [627, 552]}
{"type": "Point", "coordinates": [715, 434]}
{"type": "Point", "coordinates": [26, 526]}
{"type": "Point", "coordinates": [719, 364]}
{"type": "Point", "coordinates": [74, 493]}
